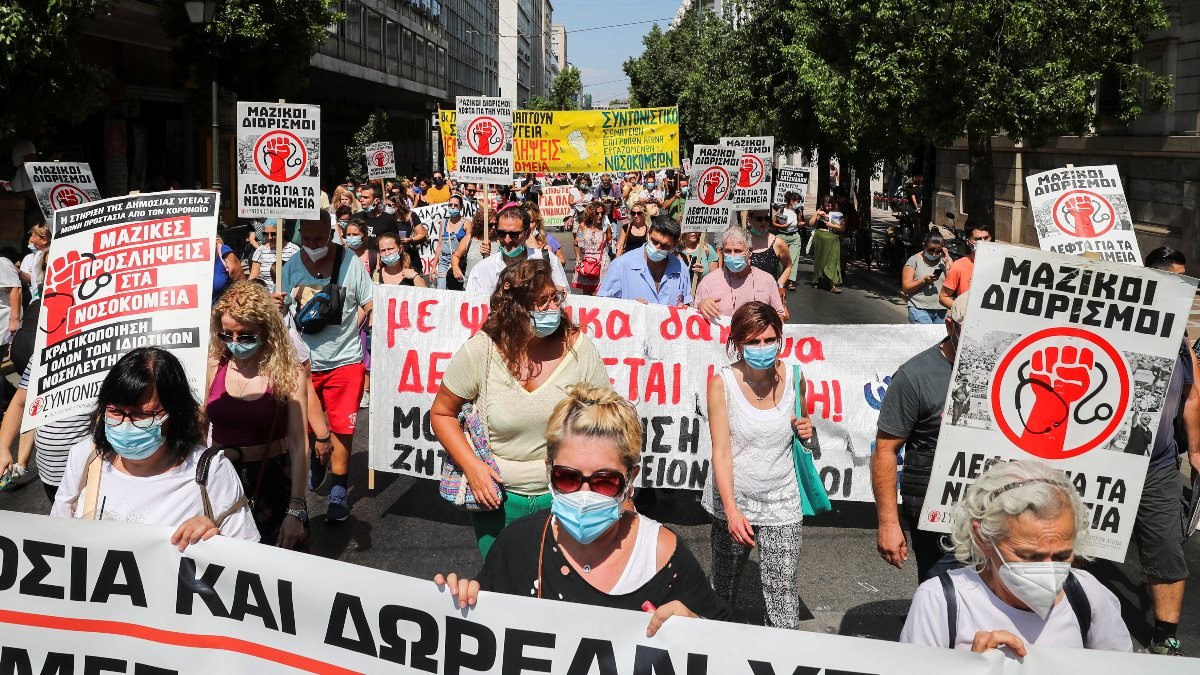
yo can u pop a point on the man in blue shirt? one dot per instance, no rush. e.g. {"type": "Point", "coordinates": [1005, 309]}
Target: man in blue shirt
{"type": "Point", "coordinates": [651, 274]}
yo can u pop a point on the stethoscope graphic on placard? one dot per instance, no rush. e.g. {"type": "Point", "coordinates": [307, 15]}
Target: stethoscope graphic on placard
{"type": "Point", "coordinates": [1101, 413]}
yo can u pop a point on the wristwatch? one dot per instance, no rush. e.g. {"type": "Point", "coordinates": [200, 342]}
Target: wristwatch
{"type": "Point", "coordinates": [300, 514]}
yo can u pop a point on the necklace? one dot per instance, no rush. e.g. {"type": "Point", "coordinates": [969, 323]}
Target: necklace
{"type": "Point", "coordinates": [750, 384]}
{"type": "Point", "coordinates": [245, 381]}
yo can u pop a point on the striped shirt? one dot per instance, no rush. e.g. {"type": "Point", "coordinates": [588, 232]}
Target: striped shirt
{"type": "Point", "coordinates": [52, 441]}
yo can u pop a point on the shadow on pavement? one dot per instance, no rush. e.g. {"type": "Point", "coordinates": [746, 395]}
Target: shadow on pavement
{"type": "Point", "coordinates": [882, 620]}
{"type": "Point", "coordinates": [421, 500]}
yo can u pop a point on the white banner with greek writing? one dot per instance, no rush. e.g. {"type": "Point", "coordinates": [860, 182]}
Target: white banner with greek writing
{"type": "Point", "coordinates": [1065, 360]}
{"type": "Point", "coordinates": [381, 160]}
{"type": "Point", "coordinates": [658, 357]}
{"type": "Point", "coordinates": [98, 597]}
{"type": "Point", "coordinates": [1083, 210]}
{"type": "Point", "coordinates": [712, 179]}
{"type": "Point", "coordinates": [555, 204]}
{"type": "Point", "coordinates": [485, 139]}
{"type": "Point", "coordinates": [752, 178]}
{"type": "Point", "coordinates": [434, 217]}
{"type": "Point", "coordinates": [59, 185]}
{"type": "Point", "coordinates": [122, 273]}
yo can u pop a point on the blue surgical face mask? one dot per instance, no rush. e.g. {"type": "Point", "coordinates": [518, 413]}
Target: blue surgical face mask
{"type": "Point", "coordinates": [130, 442]}
{"type": "Point", "coordinates": [585, 515]}
{"type": "Point", "coordinates": [390, 259]}
{"type": "Point", "coordinates": [735, 263]}
{"type": "Point", "coordinates": [33, 248]}
{"type": "Point", "coordinates": [454, 213]}
{"type": "Point", "coordinates": [354, 240]}
{"type": "Point", "coordinates": [513, 253]}
{"type": "Point", "coordinates": [545, 323]}
{"type": "Point", "coordinates": [389, 209]}
{"type": "Point", "coordinates": [650, 185]}
{"type": "Point", "coordinates": [240, 351]}
{"type": "Point", "coordinates": [654, 254]}
{"type": "Point", "coordinates": [761, 357]}
{"type": "Point", "coordinates": [684, 190]}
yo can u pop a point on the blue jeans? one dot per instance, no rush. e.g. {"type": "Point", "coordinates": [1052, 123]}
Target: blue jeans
{"type": "Point", "coordinates": [918, 315]}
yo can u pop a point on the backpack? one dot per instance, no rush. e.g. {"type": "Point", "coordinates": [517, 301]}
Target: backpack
{"type": "Point", "coordinates": [325, 307]}
{"type": "Point", "coordinates": [1076, 597]}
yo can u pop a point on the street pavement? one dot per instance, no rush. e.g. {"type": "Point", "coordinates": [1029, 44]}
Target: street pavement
{"type": "Point", "coordinates": [403, 526]}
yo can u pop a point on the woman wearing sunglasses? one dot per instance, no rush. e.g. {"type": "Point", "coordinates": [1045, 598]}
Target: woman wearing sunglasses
{"type": "Point", "coordinates": [589, 549]}
{"type": "Point", "coordinates": [515, 370]}
{"type": "Point", "coordinates": [752, 492]}
{"type": "Point", "coordinates": [255, 404]}
{"type": "Point", "coordinates": [140, 465]}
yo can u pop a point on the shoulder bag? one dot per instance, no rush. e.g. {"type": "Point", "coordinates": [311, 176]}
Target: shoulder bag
{"type": "Point", "coordinates": [454, 486]}
{"type": "Point", "coordinates": [813, 497]}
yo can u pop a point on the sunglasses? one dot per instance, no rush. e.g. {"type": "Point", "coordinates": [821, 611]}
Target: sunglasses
{"type": "Point", "coordinates": [639, 213]}
{"type": "Point", "coordinates": [604, 482]}
{"type": "Point", "coordinates": [509, 234]}
{"type": "Point", "coordinates": [247, 339]}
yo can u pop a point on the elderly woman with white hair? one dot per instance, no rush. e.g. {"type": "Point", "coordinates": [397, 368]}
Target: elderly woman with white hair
{"type": "Point", "coordinates": [738, 282]}
{"type": "Point", "coordinates": [1018, 529]}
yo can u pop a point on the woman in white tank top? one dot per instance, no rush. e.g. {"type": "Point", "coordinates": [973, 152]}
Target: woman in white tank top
{"type": "Point", "coordinates": [752, 492]}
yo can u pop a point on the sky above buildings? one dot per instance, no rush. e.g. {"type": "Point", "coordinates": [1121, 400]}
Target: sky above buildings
{"type": "Point", "coordinates": [599, 53]}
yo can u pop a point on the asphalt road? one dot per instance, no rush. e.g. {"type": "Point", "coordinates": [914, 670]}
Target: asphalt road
{"type": "Point", "coordinates": [403, 526]}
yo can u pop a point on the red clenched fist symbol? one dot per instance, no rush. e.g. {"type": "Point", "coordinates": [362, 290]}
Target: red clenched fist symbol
{"type": "Point", "coordinates": [1081, 209]}
{"type": "Point", "coordinates": [711, 182]}
{"type": "Point", "coordinates": [483, 135]}
{"type": "Point", "coordinates": [58, 295]}
{"type": "Point", "coordinates": [1059, 378]}
{"type": "Point", "coordinates": [276, 151]}
{"type": "Point", "coordinates": [69, 198]}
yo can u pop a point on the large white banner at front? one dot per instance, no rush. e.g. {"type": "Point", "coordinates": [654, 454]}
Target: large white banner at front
{"type": "Point", "coordinates": [1064, 360]}
{"type": "Point", "coordinates": [485, 139]}
{"type": "Point", "coordinates": [278, 160]}
{"type": "Point", "coordinates": [60, 185]}
{"type": "Point", "coordinates": [104, 597]}
{"type": "Point", "coordinates": [1083, 210]}
{"type": "Point", "coordinates": [660, 358]}
{"type": "Point", "coordinates": [752, 179]}
{"type": "Point", "coordinates": [434, 217]}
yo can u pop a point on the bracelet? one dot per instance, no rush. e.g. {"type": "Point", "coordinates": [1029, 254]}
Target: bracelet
{"type": "Point", "coordinates": [327, 439]}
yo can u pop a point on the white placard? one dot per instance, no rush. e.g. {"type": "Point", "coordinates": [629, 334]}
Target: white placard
{"type": "Point", "coordinates": [752, 189]}
{"type": "Point", "coordinates": [1058, 355]}
{"type": "Point", "coordinates": [278, 160]}
{"type": "Point", "coordinates": [791, 179]}
{"type": "Point", "coordinates": [61, 185]}
{"type": "Point", "coordinates": [1083, 210]}
{"type": "Point", "coordinates": [712, 180]}
{"type": "Point", "coordinates": [122, 273]}
{"type": "Point", "coordinates": [381, 160]}
{"type": "Point", "coordinates": [485, 139]}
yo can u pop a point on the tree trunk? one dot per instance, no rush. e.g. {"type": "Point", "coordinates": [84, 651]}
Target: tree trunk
{"type": "Point", "coordinates": [981, 193]}
{"type": "Point", "coordinates": [823, 186]}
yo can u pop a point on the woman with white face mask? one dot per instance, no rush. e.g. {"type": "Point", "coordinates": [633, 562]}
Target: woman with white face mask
{"type": "Point", "coordinates": [589, 548]}
{"type": "Point", "coordinates": [1018, 528]}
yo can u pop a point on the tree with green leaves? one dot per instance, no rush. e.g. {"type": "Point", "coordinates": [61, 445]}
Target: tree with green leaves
{"type": "Point", "coordinates": [564, 92]}
{"type": "Point", "coordinates": [43, 73]}
{"type": "Point", "coordinates": [263, 46]}
{"type": "Point", "coordinates": [373, 131]}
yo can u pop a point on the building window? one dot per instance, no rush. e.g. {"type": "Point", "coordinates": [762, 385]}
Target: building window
{"type": "Point", "coordinates": [354, 22]}
{"type": "Point", "coordinates": [374, 40]}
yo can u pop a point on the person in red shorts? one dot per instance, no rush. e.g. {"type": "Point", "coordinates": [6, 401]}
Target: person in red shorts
{"type": "Point", "coordinates": [336, 353]}
{"type": "Point", "coordinates": [958, 278]}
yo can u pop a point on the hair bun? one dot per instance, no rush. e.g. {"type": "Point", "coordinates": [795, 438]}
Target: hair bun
{"type": "Point", "coordinates": [588, 394]}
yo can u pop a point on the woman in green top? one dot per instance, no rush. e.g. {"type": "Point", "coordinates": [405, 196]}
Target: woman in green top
{"type": "Point", "coordinates": [515, 370]}
{"type": "Point", "coordinates": [827, 245]}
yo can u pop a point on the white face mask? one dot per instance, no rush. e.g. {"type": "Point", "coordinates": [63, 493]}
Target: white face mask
{"type": "Point", "coordinates": [315, 254]}
{"type": "Point", "coordinates": [1037, 584]}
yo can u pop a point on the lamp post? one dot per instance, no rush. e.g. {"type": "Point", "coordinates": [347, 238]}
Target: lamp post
{"type": "Point", "coordinates": [202, 12]}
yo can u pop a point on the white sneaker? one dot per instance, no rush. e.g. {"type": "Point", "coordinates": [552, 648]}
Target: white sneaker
{"type": "Point", "coordinates": [366, 400]}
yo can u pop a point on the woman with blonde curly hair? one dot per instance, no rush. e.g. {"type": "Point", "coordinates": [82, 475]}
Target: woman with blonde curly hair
{"type": "Point", "coordinates": [592, 549]}
{"type": "Point", "coordinates": [515, 371]}
{"type": "Point", "coordinates": [255, 402]}
{"type": "Point", "coordinates": [1018, 529]}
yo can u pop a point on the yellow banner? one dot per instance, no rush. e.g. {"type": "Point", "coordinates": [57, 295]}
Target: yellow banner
{"type": "Point", "coordinates": [584, 141]}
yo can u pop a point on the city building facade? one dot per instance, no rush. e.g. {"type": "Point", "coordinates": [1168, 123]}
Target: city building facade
{"type": "Point", "coordinates": [524, 49]}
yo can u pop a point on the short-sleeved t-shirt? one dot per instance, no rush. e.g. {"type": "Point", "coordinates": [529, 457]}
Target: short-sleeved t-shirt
{"type": "Point", "coordinates": [927, 296]}
{"type": "Point", "coordinates": [265, 257]}
{"type": "Point", "coordinates": [912, 409]}
{"type": "Point", "coordinates": [516, 418]}
{"type": "Point", "coordinates": [958, 279]}
{"type": "Point", "coordinates": [166, 499]}
{"type": "Point", "coordinates": [1166, 445]}
{"type": "Point", "coordinates": [335, 346]}
{"type": "Point", "coordinates": [786, 222]}
{"type": "Point", "coordinates": [220, 274]}
{"type": "Point", "coordinates": [732, 291]}
{"type": "Point", "coordinates": [979, 609]}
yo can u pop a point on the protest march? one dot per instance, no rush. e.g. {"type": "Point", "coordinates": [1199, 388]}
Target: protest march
{"type": "Point", "coordinates": [399, 376]}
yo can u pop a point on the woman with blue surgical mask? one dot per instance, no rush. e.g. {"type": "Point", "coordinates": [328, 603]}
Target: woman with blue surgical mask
{"type": "Point", "coordinates": [1017, 530]}
{"type": "Point", "coordinates": [255, 402]}
{"type": "Point", "coordinates": [752, 493]}
{"type": "Point", "coordinates": [590, 548]}
{"type": "Point", "coordinates": [145, 456]}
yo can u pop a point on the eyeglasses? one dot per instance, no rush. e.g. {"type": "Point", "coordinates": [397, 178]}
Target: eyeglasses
{"type": "Point", "coordinates": [639, 213]}
{"type": "Point", "coordinates": [557, 299]}
{"type": "Point", "coordinates": [114, 417]}
{"type": "Point", "coordinates": [509, 234]}
{"type": "Point", "coordinates": [245, 339]}
{"type": "Point", "coordinates": [603, 482]}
